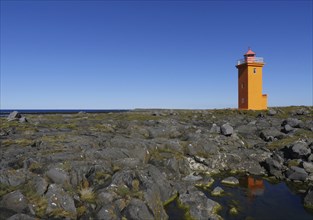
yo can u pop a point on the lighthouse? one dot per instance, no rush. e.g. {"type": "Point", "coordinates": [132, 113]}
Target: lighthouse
{"type": "Point", "coordinates": [250, 95]}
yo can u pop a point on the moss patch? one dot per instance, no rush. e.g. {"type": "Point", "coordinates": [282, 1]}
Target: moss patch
{"type": "Point", "coordinates": [22, 142]}
{"type": "Point", "coordinates": [5, 189]}
{"type": "Point", "coordinates": [81, 210]}
{"type": "Point", "coordinates": [38, 202]}
{"type": "Point", "coordinates": [299, 134]}
{"type": "Point", "coordinates": [171, 199]}
{"type": "Point", "coordinates": [124, 192]}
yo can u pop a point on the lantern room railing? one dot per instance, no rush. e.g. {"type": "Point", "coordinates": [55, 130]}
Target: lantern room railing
{"type": "Point", "coordinates": [251, 60]}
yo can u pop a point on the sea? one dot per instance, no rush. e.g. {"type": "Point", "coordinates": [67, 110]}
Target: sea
{"type": "Point", "coordinates": [6, 112]}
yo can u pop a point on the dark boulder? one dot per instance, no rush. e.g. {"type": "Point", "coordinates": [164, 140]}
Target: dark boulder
{"type": "Point", "coordinates": [271, 134]}
{"type": "Point", "coordinates": [138, 210]}
{"type": "Point", "coordinates": [301, 111]}
{"type": "Point", "coordinates": [15, 201]}
{"type": "Point", "coordinates": [273, 167]}
{"type": "Point", "coordinates": [293, 122]}
{"type": "Point", "coordinates": [300, 150]}
{"type": "Point", "coordinates": [227, 130]}
{"type": "Point", "coordinates": [286, 129]}
{"type": "Point", "coordinates": [296, 173]}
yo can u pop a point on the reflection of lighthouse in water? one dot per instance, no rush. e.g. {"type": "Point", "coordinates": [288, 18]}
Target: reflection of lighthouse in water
{"type": "Point", "coordinates": [255, 187]}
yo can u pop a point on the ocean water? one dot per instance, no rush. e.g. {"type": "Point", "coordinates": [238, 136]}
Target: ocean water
{"type": "Point", "coordinates": [6, 112]}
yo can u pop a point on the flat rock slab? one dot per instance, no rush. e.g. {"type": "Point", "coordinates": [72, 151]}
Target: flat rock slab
{"type": "Point", "coordinates": [230, 180]}
{"type": "Point", "coordinates": [58, 176]}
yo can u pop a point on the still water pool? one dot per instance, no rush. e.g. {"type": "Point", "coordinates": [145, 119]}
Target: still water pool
{"type": "Point", "coordinates": [256, 199]}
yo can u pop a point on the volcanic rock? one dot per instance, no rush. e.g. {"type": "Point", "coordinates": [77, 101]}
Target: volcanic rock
{"type": "Point", "coordinates": [15, 201]}
{"type": "Point", "coordinates": [227, 130]}
{"type": "Point", "coordinates": [137, 209]}
{"type": "Point", "coordinates": [15, 115]}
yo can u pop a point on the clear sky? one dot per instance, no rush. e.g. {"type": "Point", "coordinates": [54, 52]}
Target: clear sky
{"type": "Point", "coordinates": [151, 54]}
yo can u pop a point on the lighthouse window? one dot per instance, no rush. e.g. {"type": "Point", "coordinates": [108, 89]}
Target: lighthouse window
{"type": "Point", "coordinates": [254, 70]}
{"type": "Point", "coordinates": [243, 100]}
{"type": "Point", "coordinates": [242, 85]}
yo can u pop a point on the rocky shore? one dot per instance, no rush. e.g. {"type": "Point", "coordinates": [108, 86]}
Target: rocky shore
{"type": "Point", "coordinates": [130, 165]}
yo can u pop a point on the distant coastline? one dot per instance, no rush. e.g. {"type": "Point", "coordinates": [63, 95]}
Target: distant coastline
{"type": "Point", "coordinates": [6, 112]}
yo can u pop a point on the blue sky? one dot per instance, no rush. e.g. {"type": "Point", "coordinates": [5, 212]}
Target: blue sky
{"type": "Point", "coordinates": [151, 54]}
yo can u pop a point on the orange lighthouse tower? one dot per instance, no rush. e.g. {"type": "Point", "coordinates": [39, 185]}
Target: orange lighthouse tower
{"type": "Point", "coordinates": [250, 95]}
